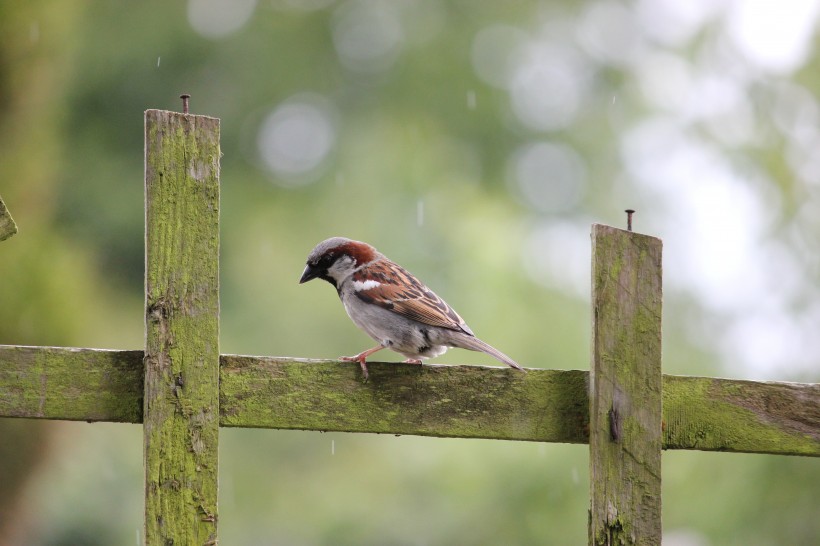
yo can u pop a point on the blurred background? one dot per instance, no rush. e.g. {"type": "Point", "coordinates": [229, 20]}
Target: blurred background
{"type": "Point", "coordinates": [474, 143]}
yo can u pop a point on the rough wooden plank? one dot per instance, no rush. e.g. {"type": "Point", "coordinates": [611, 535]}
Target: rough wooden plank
{"type": "Point", "coordinates": [700, 413]}
{"type": "Point", "coordinates": [429, 400]}
{"type": "Point", "coordinates": [713, 414]}
{"type": "Point", "coordinates": [7, 225]}
{"type": "Point", "coordinates": [181, 410]}
{"type": "Point", "coordinates": [486, 402]}
{"type": "Point", "coordinates": [626, 389]}
{"type": "Point", "coordinates": [71, 384]}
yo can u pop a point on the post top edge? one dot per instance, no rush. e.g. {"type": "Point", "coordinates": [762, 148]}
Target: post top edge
{"type": "Point", "coordinates": [597, 228]}
{"type": "Point", "coordinates": [155, 112]}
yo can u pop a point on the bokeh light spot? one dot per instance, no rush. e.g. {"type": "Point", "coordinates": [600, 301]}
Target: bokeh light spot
{"type": "Point", "coordinates": [296, 138]}
{"type": "Point", "coordinates": [492, 53]}
{"type": "Point", "coordinates": [777, 36]}
{"type": "Point", "coordinates": [548, 177]}
{"type": "Point", "coordinates": [609, 32]}
{"type": "Point", "coordinates": [218, 18]}
{"type": "Point", "coordinates": [368, 35]}
{"type": "Point", "coordinates": [548, 86]}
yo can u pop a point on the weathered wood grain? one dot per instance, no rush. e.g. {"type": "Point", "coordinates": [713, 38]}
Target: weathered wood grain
{"type": "Point", "coordinates": [71, 384]}
{"type": "Point", "coordinates": [625, 389]}
{"type": "Point", "coordinates": [181, 404]}
{"type": "Point", "coordinates": [700, 413]}
{"type": "Point", "coordinates": [429, 400]}
{"type": "Point", "coordinates": [712, 414]}
{"type": "Point", "coordinates": [7, 225]}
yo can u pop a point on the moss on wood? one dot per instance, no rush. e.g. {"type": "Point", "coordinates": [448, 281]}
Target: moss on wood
{"type": "Point", "coordinates": [71, 384]}
{"type": "Point", "coordinates": [700, 413]}
{"type": "Point", "coordinates": [181, 409]}
{"type": "Point", "coordinates": [626, 389]}
{"type": "Point", "coordinates": [429, 400]}
{"type": "Point", "coordinates": [734, 415]}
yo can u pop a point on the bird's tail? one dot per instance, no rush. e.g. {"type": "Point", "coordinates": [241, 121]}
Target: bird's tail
{"type": "Point", "coordinates": [475, 344]}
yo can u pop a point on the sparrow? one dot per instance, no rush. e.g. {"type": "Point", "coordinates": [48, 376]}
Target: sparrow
{"type": "Point", "coordinates": [391, 305]}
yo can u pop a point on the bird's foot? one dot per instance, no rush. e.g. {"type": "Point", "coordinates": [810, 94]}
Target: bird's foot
{"type": "Point", "coordinates": [361, 358]}
{"type": "Point", "coordinates": [413, 361]}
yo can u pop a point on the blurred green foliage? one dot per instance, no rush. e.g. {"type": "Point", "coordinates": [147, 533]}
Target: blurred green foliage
{"type": "Point", "coordinates": [394, 137]}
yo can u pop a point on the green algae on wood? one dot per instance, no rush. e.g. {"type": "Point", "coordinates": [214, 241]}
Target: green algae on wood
{"type": "Point", "coordinates": [701, 413]}
{"type": "Point", "coordinates": [181, 407]}
{"type": "Point", "coordinates": [429, 400]}
{"type": "Point", "coordinates": [625, 437]}
{"type": "Point", "coordinates": [7, 225]}
{"type": "Point", "coordinates": [712, 414]}
{"type": "Point", "coordinates": [71, 384]}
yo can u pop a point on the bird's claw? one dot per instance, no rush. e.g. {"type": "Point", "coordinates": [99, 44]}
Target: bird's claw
{"type": "Point", "coordinates": [362, 360]}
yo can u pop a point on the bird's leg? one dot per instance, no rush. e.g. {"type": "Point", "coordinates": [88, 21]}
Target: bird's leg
{"type": "Point", "coordinates": [361, 358]}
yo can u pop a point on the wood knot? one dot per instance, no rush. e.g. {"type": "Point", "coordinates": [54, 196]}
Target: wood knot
{"type": "Point", "coordinates": [614, 425]}
{"type": "Point", "coordinates": [159, 310]}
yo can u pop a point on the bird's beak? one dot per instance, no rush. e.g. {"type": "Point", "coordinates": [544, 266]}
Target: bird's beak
{"type": "Point", "coordinates": [308, 274]}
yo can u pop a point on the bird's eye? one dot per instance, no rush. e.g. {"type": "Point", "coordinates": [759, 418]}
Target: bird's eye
{"type": "Point", "coordinates": [325, 261]}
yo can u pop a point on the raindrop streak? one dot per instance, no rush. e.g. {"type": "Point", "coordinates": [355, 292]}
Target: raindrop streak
{"type": "Point", "coordinates": [471, 99]}
{"type": "Point", "coordinates": [333, 447]}
{"type": "Point", "coordinates": [138, 537]}
{"type": "Point", "coordinates": [158, 58]}
{"type": "Point", "coordinates": [420, 212]}
{"type": "Point", "coordinates": [34, 32]}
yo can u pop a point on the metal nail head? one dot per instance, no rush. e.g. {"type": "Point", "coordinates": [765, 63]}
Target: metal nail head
{"type": "Point", "coordinates": [185, 97]}
{"type": "Point", "coordinates": [629, 213]}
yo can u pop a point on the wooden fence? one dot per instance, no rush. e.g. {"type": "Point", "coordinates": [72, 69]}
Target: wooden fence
{"type": "Point", "coordinates": [183, 390]}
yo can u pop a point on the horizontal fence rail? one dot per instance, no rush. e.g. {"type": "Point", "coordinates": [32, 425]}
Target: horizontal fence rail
{"type": "Point", "coordinates": [699, 413]}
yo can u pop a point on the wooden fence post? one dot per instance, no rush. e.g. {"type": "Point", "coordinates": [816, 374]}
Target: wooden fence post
{"type": "Point", "coordinates": [625, 389]}
{"type": "Point", "coordinates": [181, 396]}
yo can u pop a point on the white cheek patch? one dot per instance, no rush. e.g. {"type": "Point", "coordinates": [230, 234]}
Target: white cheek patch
{"type": "Point", "coordinates": [366, 285]}
{"type": "Point", "coordinates": [341, 268]}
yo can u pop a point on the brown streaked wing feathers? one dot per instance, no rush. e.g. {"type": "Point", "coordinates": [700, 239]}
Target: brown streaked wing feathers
{"type": "Point", "coordinates": [402, 293]}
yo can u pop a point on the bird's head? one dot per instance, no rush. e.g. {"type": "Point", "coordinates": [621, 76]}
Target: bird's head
{"type": "Point", "coordinates": [335, 259]}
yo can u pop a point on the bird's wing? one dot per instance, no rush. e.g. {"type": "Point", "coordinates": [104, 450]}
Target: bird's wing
{"type": "Point", "coordinates": [392, 287]}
